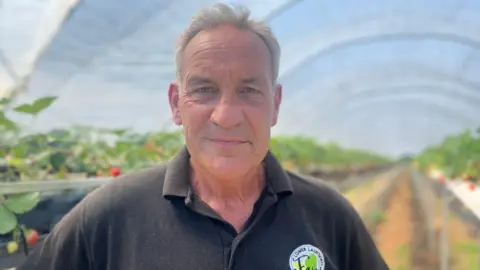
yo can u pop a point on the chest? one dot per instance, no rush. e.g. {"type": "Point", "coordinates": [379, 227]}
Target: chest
{"type": "Point", "coordinates": [237, 217]}
{"type": "Point", "coordinates": [189, 241]}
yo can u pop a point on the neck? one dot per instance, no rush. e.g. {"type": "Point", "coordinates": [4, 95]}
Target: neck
{"type": "Point", "coordinates": [239, 189]}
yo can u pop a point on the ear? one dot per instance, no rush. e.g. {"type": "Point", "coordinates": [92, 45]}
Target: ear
{"type": "Point", "coordinates": [277, 100]}
{"type": "Point", "coordinates": [173, 98]}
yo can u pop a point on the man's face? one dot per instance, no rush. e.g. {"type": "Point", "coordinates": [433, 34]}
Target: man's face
{"type": "Point", "coordinates": [225, 99]}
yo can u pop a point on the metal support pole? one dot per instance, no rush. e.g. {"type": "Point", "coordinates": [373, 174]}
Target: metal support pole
{"type": "Point", "coordinates": [429, 211]}
{"type": "Point", "coordinates": [444, 248]}
{"type": "Point", "coordinates": [478, 241]}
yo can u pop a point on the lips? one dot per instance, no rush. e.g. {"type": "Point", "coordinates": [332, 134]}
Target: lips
{"type": "Point", "coordinates": [228, 141]}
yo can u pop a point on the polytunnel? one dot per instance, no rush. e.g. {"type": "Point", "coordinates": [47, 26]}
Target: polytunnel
{"type": "Point", "coordinates": [390, 76]}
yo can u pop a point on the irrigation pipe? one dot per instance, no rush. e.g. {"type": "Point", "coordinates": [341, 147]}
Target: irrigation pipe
{"type": "Point", "coordinates": [51, 185]}
{"type": "Point", "coordinates": [87, 183]}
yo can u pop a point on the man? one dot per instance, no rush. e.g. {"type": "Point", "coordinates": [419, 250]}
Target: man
{"type": "Point", "coordinates": [223, 202]}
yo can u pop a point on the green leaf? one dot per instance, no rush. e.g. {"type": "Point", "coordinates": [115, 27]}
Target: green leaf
{"type": "Point", "coordinates": [14, 162]}
{"type": "Point", "coordinates": [119, 132]}
{"type": "Point", "coordinates": [4, 121]}
{"type": "Point", "coordinates": [36, 107]}
{"type": "Point", "coordinates": [8, 220]}
{"type": "Point", "coordinates": [4, 101]}
{"type": "Point", "coordinates": [58, 159]}
{"type": "Point", "coordinates": [22, 203]}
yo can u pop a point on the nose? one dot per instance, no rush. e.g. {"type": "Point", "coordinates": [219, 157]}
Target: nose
{"type": "Point", "coordinates": [227, 114]}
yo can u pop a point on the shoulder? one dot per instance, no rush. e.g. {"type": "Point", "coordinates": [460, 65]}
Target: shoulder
{"type": "Point", "coordinates": [305, 183]}
{"type": "Point", "coordinates": [127, 190]}
{"type": "Point", "coordinates": [125, 194]}
{"type": "Point", "coordinates": [320, 196]}
{"type": "Point", "coordinates": [86, 228]}
{"type": "Point", "coordinates": [116, 201]}
{"type": "Point", "coordinates": [133, 184]}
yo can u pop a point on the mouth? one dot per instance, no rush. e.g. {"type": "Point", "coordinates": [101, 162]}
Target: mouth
{"type": "Point", "coordinates": [227, 141]}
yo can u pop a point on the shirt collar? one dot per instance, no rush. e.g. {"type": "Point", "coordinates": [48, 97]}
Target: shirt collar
{"type": "Point", "coordinates": [177, 177]}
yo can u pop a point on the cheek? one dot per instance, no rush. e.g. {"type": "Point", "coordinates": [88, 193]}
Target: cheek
{"type": "Point", "coordinates": [260, 120]}
{"type": "Point", "coordinates": [194, 116]}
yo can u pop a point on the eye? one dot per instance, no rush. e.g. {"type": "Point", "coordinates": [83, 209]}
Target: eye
{"type": "Point", "coordinates": [249, 90]}
{"type": "Point", "coordinates": [203, 94]}
{"type": "Point", "coordinates": [204, 90]}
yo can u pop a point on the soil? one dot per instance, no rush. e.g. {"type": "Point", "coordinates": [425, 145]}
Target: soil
{"type": "Point", "coordinates": [360, 195]}
{"type": "Point", "coordinates": [464, 246]}
{"type": "Point", "coordinates": [402, 236]}
{"type": "Point", "coordinates": [423, 256]}
{"type": "Point", "coordinates": [394, 235]}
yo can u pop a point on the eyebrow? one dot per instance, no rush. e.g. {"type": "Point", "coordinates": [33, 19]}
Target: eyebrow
{"type": "Point", "coordinates": [196, 80]}
{"type": "Point", "coordinates": [249, 80]}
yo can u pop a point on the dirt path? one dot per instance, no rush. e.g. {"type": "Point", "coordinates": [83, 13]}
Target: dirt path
{"type": "Point", "coordinates": [394, 235]}
{"type": "Point", "coordinates": [360, 195]}
{"type": "Point", "coordinates": [423, 255]}
{"type": "Point", "coordinates": [402, 236]}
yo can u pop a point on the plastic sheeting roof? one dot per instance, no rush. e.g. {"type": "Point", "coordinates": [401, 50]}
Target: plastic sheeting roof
{"type": "Point", "coordinates": [26, 29]}
{"type": "Point", "coordinates": [392, 76]}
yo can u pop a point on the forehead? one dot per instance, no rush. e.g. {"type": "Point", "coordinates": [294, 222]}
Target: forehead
{"type": "Point", "coordinates": [226, 48]}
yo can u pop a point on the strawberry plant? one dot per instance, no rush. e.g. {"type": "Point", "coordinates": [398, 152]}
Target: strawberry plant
{"type": "Point", "coordinates": [12, 205]}
{"type": "Point", "coordinates": [377, 216]}
{"type": "Point", "coordinates": [17, 161]}
{"type": "Point", "coordinates": [457, 155]}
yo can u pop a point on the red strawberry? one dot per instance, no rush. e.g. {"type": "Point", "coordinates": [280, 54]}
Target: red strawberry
{"type": "Point", "coordinates": [471, 186]}
{"type": "Point", "coordinates": [32, 237]}
{"type": "Point", "coordinates": [442, 179]}
{"type": "Point", "coordinates": [114, 172]}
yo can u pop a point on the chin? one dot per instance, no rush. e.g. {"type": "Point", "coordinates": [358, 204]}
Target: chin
{"type": "Point", "coordinates": [230, 166]}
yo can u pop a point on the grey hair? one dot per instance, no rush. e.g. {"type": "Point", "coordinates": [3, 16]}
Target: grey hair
{"type": "Point", "coordinates": [238, 16]}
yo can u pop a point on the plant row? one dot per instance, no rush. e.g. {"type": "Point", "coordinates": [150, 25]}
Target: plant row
{"type": "Point", "coordinates": [457, 156]}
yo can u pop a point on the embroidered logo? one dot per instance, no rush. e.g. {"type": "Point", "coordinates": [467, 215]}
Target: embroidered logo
{"type": "Point", "coordinates": [307, 257]}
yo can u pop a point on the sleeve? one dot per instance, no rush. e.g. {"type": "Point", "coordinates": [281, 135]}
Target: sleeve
{"type": "Point", "coordinates": [363, 253]}
{"type": "Point", "coordinates": [64, 248]}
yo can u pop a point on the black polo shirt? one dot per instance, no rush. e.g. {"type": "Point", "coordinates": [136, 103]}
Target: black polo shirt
{"type": "Point", "coordinates": [151, 220]}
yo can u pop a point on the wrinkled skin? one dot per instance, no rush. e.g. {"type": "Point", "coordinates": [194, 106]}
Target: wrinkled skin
{"type": "Point", "coordinates": [226, 100]}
